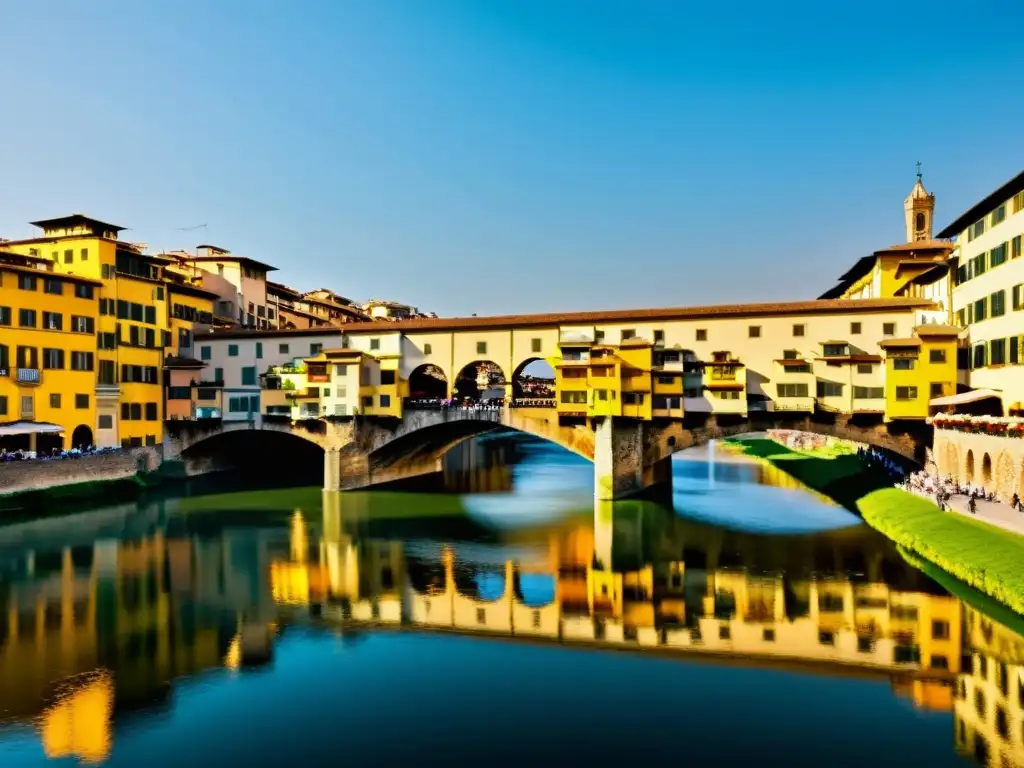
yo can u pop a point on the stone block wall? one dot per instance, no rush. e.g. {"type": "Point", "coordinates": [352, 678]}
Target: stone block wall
{"type": "Point", "coordinates": [18, 476]}
{"type": "Point", "coordinates": [993, 462]}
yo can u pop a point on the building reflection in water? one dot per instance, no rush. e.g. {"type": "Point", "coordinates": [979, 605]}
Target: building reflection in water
{"type": "Point", "coordinates": [93, 631]}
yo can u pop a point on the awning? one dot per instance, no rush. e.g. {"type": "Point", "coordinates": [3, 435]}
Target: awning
{"type": "Point", "coordinates": [964, 397]}
{"type": "Point", "coordinates": [29, 428]}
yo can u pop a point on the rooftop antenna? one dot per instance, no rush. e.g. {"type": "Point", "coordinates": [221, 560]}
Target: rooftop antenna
{"type": "Point", "coordinates": [918, 170]}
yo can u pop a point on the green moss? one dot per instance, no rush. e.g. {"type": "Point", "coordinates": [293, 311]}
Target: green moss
{"type": "Point", "coordinates": [982, 556]}
{"type": "Point", "coordinates": [987, 558]}
{"type": "Point", "coordinates": [74, 496]}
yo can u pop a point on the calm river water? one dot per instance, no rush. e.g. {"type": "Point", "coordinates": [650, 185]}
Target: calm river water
{"type": "Point", "coordinates": [509, 621]}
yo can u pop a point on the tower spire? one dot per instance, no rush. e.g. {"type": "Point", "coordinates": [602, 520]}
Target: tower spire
{"type": "Point", "coordinates": [919, 170]}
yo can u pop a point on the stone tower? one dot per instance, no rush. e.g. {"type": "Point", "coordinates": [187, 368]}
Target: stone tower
{"type": "Point", "coordinates": [920, 210]}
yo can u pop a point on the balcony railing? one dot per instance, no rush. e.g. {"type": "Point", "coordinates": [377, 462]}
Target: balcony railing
{"type": "Point", "coordinates": [534, 402]}
{"type": "Point", "coordinates": [29, 376]}
{"type": "Point", "coordinates": [318, 377]}
{"type": "Point", "coordinates": [997, 426]}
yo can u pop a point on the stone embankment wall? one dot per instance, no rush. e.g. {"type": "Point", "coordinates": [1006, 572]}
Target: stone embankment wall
{"type": "Point", "coordinates": [16, 476]}
{"type": "Point", "coordinates": [994, 462]}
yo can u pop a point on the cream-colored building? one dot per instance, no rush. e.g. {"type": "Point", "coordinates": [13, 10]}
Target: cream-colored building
{"type": "Point", "coordinates": [988, 295]}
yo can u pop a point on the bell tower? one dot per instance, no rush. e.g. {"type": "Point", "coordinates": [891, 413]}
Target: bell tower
{"type": "Point", "coordinates": [920, 210]}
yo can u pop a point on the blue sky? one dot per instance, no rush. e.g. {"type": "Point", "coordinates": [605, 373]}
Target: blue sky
{"type": "Point", "coordinates": [497, 156]}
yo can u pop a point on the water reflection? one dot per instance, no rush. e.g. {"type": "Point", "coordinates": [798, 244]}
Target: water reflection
{"type": "Point", "coordinates": [106, 614]}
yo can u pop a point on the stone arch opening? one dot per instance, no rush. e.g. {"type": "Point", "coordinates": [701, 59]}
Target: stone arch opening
{"type": "Point", "coordinates": [480, 581]}
{"type": "Point", "coordinates": [265, 457]}
{"type": "Point", "coordinates": [969, 467]}
{"type": "Point", "coordinates": [81, 437]}
{"type": "Point", "coordinates": [482, 381]}
{"type": "Point", "coordinates": [428, 382]}
{"type": "Point", "coordinates": [951, 461]}
{"type": "Point", "coordinates": [533, 383]}
{"type": "Point", "coordinates": [425, 576]}
{"type": "Point", "coordinates": [535, 590]}
{"type": "Point", "coordinates": [986, 469]}
{"type": "Point", "coordinates": [1004, 476]}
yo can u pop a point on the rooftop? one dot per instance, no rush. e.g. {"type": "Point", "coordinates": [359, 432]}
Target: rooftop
{"type": "Point", "coordinates": [225, 256]}
{"type": "Point", "coordinates": [720, 311]}
{"type": "Point", "coordinates": [73, 219]}
{"type": "Point", "coordinates": [984, 206]}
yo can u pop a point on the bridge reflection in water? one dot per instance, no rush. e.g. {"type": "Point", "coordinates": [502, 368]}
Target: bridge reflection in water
{"type": "Point", "coordinates": [100, 618]}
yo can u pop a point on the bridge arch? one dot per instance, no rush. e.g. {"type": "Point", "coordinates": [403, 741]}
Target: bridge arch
{"type": "Point", "coordinates": [969, 466]}
{"type": "Point", "coordinates": [533, 378]}
{"type": "Point", "coordinates": [428, 381]}
{"type": "Point", "coordinates": [535, 590]}
{"type": "Point", "coordinates": [986, 469]}
{"type": "Point", "coordinates": [483, 582]}
{"type": "Point", "coordinates": [480, 380]}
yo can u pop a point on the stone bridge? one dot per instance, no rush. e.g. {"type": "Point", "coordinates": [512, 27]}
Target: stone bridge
{"type": "Point", "coordinates": [629, 456]}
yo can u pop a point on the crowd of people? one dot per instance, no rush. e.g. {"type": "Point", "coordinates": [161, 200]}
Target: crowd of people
{"type": "Point", "coordinates": [54, 453]}
{"type": "Point", "coordinates": [466, 403]}
{"type": "Point", "coordinates": [943, 489]}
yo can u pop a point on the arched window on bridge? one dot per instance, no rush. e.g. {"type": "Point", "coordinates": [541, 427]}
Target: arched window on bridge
{"type": "Point", "coordinates": [533, 384]}
{"type": "Point", "coordinates": [428, 382]}
{"type": "Point", "coordinates": [480, 381]}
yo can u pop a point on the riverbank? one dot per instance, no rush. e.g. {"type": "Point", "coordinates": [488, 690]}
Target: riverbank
{"type": "Point", "coordinates": [983, 557]}
{"type": "Point", "coordinates": [39, 502]}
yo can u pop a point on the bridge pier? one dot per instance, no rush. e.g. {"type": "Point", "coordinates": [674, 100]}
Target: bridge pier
{"type": "Point", "coordinates": [620, 470]}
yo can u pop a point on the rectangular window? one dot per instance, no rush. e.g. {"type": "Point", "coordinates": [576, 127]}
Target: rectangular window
{"type": "Point", "coordinates": [1018, 202]}
{"type": "Point", "coordinates": [481, 347]}
{"type": "Point", "coordinates": [282, 348]}
{"type": "Point", "coordinates": [937, 356]}
{"type": "Point", "coordinates": [368, 402]}
{"type": "Point", "coordinates": [179, 393]}
{"type": "Point", "coordinates": [792, 390]}
{"type": "Point", "coordinates": [628, 333]}
{"type": "Point", "coordinates": [979, 310]}
{"type": "Point", "coordinates": [702, 334]}
{"type": "Point", "coordinates": [798, 329]}
{"type": "Point", "coordinates": [790, 354]}
{"type": "Point", "coordinates": [998, 255]}
{"type": "Point", "coordinates": [936, 389]}
{"type": "Point", "coordinates": [961, 274]}
{"type": "Point", "coordinates": [3, 405]}
{"type": "Point", "coordinates": [979, 264]}
{"type": "Point", "coordinates": [535, 345]}
{"type": "Point", "coordinates": [232, 350]}
{"type": "Point", "coordinates": [82, 402]}
{"type": "Point", "coordinates": [999, 215]}
{"type": "Point", "coordinates": [598, 336]}
{"type": "Point", "coordinates": [854, 329]}
{"type": "Point", "coordinates": [375, 344]}
{"type": "Point", "coordinates": [26, 282]}
{"type": "Point", "coordinates": [830, 389]}
{"type": "Point", "coordinates": [427, 349]}
{"type": "Point", "coordinates": [868, 393]}
{"type": "Point", "coordinates": [69, 256]}
{"type": "Point", "coordinates": [980, 359]}
{"type": "Point", "coordinates": [888, 329]}
{"type": "Point", "coordinates": [106, 422]}
{"type": "Point", "coordinates": [80, 324]}
{"type": "Point", "coordinates": [149, 315]}
{"type": "Point", "coordinates": [53, 286]}
{"type": "Point", "coordinates": [1015, 247]}
{"type": "Point", "coordinates": [151, 412]}
{"type": "Point", "coordinates": [315, 349]}
{"type": "Point", "coordinates": [387, 377]}
{"type": "Point", "coordinates": [218, 374]}
{"type": "Point", "coordinates": [136, 312]}
{"type": "Point", "coordinates": [5, 315]}
{"type": "Point", "coordinates": [754, 332]}
{"type": "Point", "coordinates": [150, 335]}
{"type": "Point", "coordinates": [27, 318]}
{"type": "Point", "coordinates": [659, 337]}
{"type": "Point", "coordinates": [53, 321]}
{"type": "Point", "coordinates": [385, 401]}
{"type": "Point", "coordinates": [976, 230]}
{"type": "Point", "coordinates": [865, 368]}
{"type": "Point", "coordinates": [341, 370]}
{"type": "Point", "coordinates": [906, 393]}
{"type": "Point", "coordinates": [249, 376]}
{"type": "Point", "coordinates": [997, 352]}
{"type": "Point", "coordinates": [834, 350]}
{"type": "Point", "coordinates": [133, 335]}
{"type": "Point", "coordinates": [53, 359]}
{"type": "Point", "coordinates": [1014, 347]}
{"type": "Point", "coordinates": [574, 398]}
{"type": "Point", "coordinates": [81, 361]}
{"type": "Point", "coordinates": [903, 364]}
{"type": "Point", "coordinates": [55, 400]}
{"type": "Point", "coordinates": [997, 304]}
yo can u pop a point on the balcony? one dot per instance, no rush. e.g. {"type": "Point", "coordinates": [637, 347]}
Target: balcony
{"type": "Point", "coordinates": [28, 376]}
{"type": "Point", "coordinates": [804, 404]}
{"type": "Point", "coordinates": [636, 383]}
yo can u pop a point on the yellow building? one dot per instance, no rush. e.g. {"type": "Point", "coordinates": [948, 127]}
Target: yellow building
{"type": "Point", "coordinates": [919, 369]}
{"type": "Point", "coordinates": [132, 328]}
{"type": "Point", "coordinates": [48, 354]}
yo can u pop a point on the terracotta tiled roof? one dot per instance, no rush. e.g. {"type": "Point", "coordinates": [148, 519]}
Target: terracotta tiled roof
{"type": "Point", "coordinates": [899, 343]}
{"type": "Point", "coordinates": [919, 245]}
{"type": "Point", "coordinates": [814, 307]}
{"type": "Point", "coordinates": [175, 361]}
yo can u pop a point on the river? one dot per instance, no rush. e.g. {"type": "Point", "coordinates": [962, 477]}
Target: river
{"type": "Point", "coordinates": [507, 621]}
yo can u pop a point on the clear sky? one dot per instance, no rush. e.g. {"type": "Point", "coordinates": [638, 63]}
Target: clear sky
{"type": "Point", "coordinates": [492, 156]}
